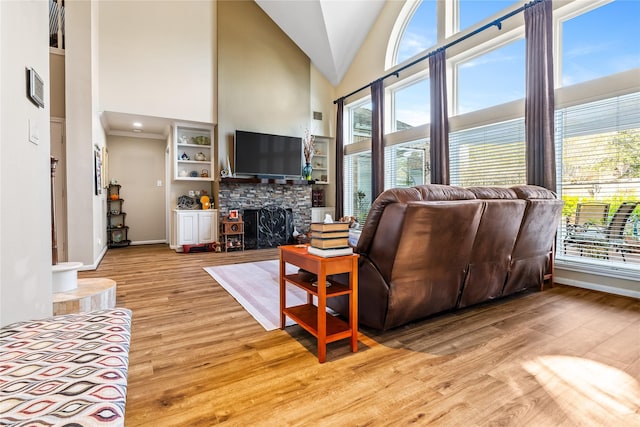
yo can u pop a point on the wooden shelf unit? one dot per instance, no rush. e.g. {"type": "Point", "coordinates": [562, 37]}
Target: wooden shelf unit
{"type": "Point", "coordinates": [314, 318]}
{"type": "Point", "coordinates": [233, 234]}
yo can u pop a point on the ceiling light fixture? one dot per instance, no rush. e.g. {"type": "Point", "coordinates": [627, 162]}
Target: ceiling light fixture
{"type": "Point", "coordinates": [137, 130]}
{"type": "Point", "coordinates": [137, 124]}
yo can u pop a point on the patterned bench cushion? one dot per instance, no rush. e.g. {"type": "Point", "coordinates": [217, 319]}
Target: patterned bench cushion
{"type": "Point", "coordinates": [66, 370]}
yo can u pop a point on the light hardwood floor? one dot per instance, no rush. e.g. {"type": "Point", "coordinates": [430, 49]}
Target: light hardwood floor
{"type": "Point", "coordinates": [562, 357]}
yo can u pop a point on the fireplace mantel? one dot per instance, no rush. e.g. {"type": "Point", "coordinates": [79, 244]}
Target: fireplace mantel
{"type": "Point", "coordinates": [266, 181]}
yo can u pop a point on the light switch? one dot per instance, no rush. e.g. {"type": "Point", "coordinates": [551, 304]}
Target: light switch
{"type": "Point", "coordinates": [34, 132]}
{"type": "Point", "coordinates": [159, 183]}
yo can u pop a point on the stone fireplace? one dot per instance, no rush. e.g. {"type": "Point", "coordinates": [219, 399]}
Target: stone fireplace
{"type": "Point", "coordinates": [294, 197]}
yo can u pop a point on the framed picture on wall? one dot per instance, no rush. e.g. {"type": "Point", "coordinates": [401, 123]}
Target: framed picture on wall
{"type": "Point", "coordinates": [97, 158]}
{"type": "Point", "coordinates": [233, 215]}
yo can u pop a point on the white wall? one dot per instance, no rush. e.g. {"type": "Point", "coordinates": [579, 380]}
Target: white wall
{"type": "Point", "coordinates": [158, 58]}
{"type": "Point", "coordinates": [85, 209]}
{"type": "Point", "coordinates": [25, 220]}
{"type": "Point", "coordinates": [138, 164]}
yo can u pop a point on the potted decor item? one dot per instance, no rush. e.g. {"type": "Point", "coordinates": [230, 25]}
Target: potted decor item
{"type": "Point", "coordinates": [309, 151]}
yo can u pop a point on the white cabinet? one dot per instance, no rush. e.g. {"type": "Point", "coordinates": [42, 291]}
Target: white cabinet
{"type": "Point", "coordinates": [193, 153]}
{"type": "Point", "coordinates": [196, 227]}
{"type": "Point", "coordinates": [318, 214]}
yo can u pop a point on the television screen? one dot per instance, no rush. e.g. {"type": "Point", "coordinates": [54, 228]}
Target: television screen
{"type": "Point", "coordinates": [267, 155]}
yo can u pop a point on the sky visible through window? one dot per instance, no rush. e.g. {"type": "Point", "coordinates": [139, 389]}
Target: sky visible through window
{"type": "Point", "coordinates": [595, 44]}
{"type": "Point", "coordinates": [601, 42]}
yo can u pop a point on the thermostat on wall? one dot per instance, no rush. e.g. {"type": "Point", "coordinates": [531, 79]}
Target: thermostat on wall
{"type": "Point", "coordinates": [35, 87]}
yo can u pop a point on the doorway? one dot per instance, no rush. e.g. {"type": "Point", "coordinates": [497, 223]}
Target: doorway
{"type": "Point", "coordinates": [56, 126]}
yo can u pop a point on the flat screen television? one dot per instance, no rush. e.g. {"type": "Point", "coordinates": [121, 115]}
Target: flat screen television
{"type": "Point", "coordinates": [260, 154]}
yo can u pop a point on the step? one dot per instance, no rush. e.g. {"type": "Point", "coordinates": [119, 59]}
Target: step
{"type": "Point", "coordinates": [90, 294]}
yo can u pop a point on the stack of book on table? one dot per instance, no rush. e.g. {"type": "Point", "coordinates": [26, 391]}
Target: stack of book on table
{"type": "Point", "coordinates": [330, 239]}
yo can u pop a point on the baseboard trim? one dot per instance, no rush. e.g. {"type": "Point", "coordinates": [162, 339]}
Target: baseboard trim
{"type": "Point", "coordinates": [147, 242]}
{"type": "Point", "coordinates": [595, 287]}
{"type": "Point", "coordinates": [96, 263]}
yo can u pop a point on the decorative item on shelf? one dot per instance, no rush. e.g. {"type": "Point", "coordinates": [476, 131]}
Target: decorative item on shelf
{"type": "Point", "coordinates": [204, 173]}
{"type": "Point", "coordinates": [115, 212]}
{"type": "Point", "coordinates": [184, 139]}
{"type": "Point", "coordinates": [201, 157]}
{"type": "Point", "coordinates": [227, 173]}
{"type": "Point", "coordinates": [183, 173]}
{"type": "Point", "coordinates": [233, 215]}
{"type": "Point", "coordinates": [184, 156]}
{"type": "Point", "coordinates": [309, 151]}
{"type": "Point", "coordinates": [117, 236]}
{"type": "Point", "coordinates": [201, 140]}
{"type": "Point", "coordinates": [194, 174]}
{"type": "Point", "coordinates": [204, 200]}
{"type": "Point", "coordinates": [114, 196]}
{"type": "Point", "coordinates": [307, 170]}
{"type": "Point", "coordinates": [186, 202]}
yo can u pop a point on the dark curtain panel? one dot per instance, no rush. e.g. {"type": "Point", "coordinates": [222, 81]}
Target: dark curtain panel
{"type": "Point", "coordinates": [439, 133]}
{"type": "Point", "coordinates": [339, 160]}
{"type": "Point", "coordinates": [539, 104]}
{"type": "Point", "coordinates": [377, 138]}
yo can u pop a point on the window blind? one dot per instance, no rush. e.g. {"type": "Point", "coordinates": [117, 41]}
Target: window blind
{"type": "Point", "coordinates": [599, 144]}
{"type": "Point", "coordinates": [492, 155]}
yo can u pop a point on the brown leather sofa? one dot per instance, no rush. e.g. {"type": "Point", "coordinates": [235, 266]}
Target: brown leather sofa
{"type": "Point", "coordinates": [433, 248]}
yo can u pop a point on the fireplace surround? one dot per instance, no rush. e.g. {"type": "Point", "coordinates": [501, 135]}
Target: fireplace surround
{"type": "Point", "coordinates": [247, 197]}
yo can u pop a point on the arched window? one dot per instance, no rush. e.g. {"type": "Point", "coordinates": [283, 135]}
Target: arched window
{"type": "Point", "coordinates": [415, 31]}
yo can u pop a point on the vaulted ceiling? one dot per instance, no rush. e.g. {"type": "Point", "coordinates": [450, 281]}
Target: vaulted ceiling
{"type": "Point", "coordinates": [330, 32]}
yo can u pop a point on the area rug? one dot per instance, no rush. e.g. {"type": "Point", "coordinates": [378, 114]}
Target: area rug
{"type": "Point", "coordinates": [255, 285]}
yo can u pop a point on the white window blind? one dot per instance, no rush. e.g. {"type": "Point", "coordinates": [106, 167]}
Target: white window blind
{"type": "Point", "coordinates": [600, 147]}
{"type": "Point", "coordinates": [407, 164]}
{"type": "Point", "coordinates": [357, 185]}
{"type": "Point", "coordinates": [492, 155]}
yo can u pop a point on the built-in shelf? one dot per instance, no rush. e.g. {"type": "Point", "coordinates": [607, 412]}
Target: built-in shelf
{"type": "Point", "coordinates": [193, 153]}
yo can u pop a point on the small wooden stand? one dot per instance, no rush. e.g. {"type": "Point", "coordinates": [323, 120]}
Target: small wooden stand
{"type": "Point", "coordinates": [233, 234]}
{"type": "Point", "coordinates": [314, 319]}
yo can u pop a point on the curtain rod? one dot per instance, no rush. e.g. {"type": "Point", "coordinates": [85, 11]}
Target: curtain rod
{"type": "Point", "coordinates": [496, 22]}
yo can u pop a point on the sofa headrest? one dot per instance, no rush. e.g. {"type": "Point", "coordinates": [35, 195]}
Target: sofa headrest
{"type": "Point", "coordinates": [530, 192]}
{"type": "Point", "coordinates": [443, 192]}
{"type": "Point", "coordinates": [493, 192]}
{"type": "Point", "coordinates": [393, 195]}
